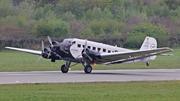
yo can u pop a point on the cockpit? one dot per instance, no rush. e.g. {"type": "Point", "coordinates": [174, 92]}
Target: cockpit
{"type": "Point", "coordinates": [71, 41]}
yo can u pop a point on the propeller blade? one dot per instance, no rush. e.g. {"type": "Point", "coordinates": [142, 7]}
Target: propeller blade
{"type": "Point", "coordinates": [39, 59]}
{"type": "Point", "coordinates": [89, 57]}
{"type": "Point", "coordinates": [63, 50]}
{"type": "Point", "coordinates": [85, 51]}
{"type": "Point", "coordinates": [42, 46]}
{"type": "Point", "coordinates": [85, 46]}
{"type": "Point", "coordinates": [50, 41]}
{"type": "Point", "coordinates": [49, 54]}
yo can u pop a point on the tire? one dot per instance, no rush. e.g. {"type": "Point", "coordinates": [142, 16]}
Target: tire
{"type": "Point", "coordinates": [64, 69]}
{"type": "Point", "coordinates": [87, 69]}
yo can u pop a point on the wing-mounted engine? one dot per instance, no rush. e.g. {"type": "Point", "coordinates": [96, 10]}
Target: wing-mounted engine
{"type": "Point", "coordinates": [90, 55]}
{"type": "Point", "coordinates": [50, 53]}
{"type": "Point", "coordinates": [46, 53]}
{"type": "Point", "coordinates": [55, 43]}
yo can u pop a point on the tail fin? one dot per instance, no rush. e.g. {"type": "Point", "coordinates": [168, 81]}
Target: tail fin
{"type": "Point", "coordinates": [149, 43]}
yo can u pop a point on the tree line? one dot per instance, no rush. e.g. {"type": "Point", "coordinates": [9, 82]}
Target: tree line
{"type": "Point", "coordinates": [128, 20]}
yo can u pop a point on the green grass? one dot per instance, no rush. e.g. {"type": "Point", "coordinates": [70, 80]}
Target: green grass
{"type": "Point", "coordinates": [126, 91]}
{"type": "Point", "coordinates": [18, 61]}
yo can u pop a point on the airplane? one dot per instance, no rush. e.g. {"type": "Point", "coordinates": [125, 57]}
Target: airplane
{"type": "Point", "coordinates": [89, 52]}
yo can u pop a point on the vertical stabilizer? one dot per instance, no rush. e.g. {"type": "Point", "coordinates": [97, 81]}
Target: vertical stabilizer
{"type": "Point", "coordinates": [149, 43]}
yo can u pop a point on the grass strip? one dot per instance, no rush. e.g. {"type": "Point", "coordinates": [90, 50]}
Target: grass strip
{"type": "Point", "coordinates": [125, 91]}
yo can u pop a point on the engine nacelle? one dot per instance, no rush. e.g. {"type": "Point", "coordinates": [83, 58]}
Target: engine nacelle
{"type": "Point", "coordinates": [91, 54]}
{"type": "Point", "coordinates": [46, 52]}
{"type": "Point", "coordinates": [55, 43]}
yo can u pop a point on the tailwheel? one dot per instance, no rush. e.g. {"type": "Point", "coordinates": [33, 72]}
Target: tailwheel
{"type": "Point", "coordinates": [87, 69]}
{"type": "Point", "coordinates": [64, 69]}
{"type": "Point", "coordinates": [147, 63]}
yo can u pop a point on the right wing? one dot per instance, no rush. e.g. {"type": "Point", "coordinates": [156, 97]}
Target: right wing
{"type": "Point", "coordinates": [120, 57]}
{"type": "Point", "coordinates": [26, 50]}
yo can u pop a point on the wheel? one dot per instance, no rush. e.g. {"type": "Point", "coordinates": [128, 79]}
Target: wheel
{"type": "Point", "coordinates": [53, 60]}
{"type": "Point", "coordinates": [87, 69]}
{"type": "Point", "coordinates": [147, 63]}
{"type": "Point", "coordinates": [64, 69]}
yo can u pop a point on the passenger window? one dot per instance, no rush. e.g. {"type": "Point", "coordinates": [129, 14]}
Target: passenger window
{"type": "Point", "coordinates": [79, 45]}
{"type": "Point", "coordinates": [109, 51]}
{"type": "Point", "coordinates": [94, 48]}
{"type": "Point", "coordinates": [83, 46]}
{"type": "Point", "coordinates": [116, 51]}
{"type": "Point", "coordinates": [104, 50]}
{"type": "Point", "coordinates": [99, 49]}
{"type": "Point", "coordinates": [89, 47]}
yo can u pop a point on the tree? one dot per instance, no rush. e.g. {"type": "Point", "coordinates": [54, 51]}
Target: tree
{"type": "Point", "coordinates": [54, 28]}
{"type": "Point", "coordinates": [138, 33]}
{"type": "Point", "coordinates": [172, 4]}
{"type": "Point", "coordinates": [6, 9]}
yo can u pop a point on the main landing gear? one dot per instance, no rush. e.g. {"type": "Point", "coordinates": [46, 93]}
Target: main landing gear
{"type": "Point", "coordinates": [87, 67]}
{"type": "Point", "coordinates": [65, 68]}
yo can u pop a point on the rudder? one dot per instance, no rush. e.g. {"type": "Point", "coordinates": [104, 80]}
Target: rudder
{"type": "Point", "coordinates": [149, 43]}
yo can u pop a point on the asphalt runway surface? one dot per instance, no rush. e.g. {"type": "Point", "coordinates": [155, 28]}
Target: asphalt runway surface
{"type": "Point", "coordinates": [95, 76]}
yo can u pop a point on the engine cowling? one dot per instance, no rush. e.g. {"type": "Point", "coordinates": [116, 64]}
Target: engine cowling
{"type": "Point", "coordinates": [55, 43]}
{"type": "Point", "coordinates": [91, 55]}
{"type": "Point", "coordinates": [46, 52]}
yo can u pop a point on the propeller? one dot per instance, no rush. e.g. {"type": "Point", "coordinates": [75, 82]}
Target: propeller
{"type": "Point", "coordinates": [49, 52]}
{"type": "Point", "coordinates": [51, 49]}
{"type": "Point", "coordinates": [85, 51]}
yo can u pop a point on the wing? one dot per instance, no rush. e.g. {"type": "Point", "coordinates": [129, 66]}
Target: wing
{"type": "Point", "coordinates": [26, 50]}
{"type": "Point", "coordinates": [120, 57]}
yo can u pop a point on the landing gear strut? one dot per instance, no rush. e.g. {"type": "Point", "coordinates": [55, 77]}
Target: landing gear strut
{"type": "Point", "coordinates": [65, 68]}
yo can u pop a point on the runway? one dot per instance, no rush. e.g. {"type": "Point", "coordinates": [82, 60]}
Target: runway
{"type": "Point", "coordinates": [95, 76]}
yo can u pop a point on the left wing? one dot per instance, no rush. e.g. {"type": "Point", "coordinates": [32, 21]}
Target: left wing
{"type": "Point", "coordinates": [26, 50]}
{"type": "Point", "coordinates": [120, 57]}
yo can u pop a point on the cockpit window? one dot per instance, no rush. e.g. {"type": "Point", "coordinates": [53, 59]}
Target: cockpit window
{"type": "Point", "coordinates": [73, 42]}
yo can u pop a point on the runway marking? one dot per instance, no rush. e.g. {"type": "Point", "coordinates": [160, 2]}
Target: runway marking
{"type": "Point", "coordinates": [24, 74]}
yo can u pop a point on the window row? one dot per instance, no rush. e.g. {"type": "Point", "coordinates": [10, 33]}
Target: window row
{"type": "Point", "coordinates": [95, 48]}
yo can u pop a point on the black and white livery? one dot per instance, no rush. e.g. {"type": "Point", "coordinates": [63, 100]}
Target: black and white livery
{"type": "Point", "coordinates": [88, 52]}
